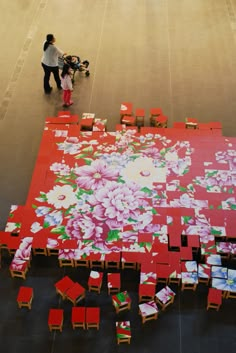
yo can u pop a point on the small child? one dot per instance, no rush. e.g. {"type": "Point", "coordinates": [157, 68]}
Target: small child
{"type": "Point", "coordinates": [75, 63]}
{"type": "Point", "coordinates": [66, 84]}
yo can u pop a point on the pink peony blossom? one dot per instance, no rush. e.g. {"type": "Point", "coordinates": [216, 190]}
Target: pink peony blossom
{"type": "Point", "coordinates": [95, 176]}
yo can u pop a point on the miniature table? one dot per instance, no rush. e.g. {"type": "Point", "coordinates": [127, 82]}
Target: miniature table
{"type": "Point", "coordinates": [165, 297]}
{"type": "Point", "coordinates": [25, 297]}
{"type": "Point", "coordinates": [95, 281]}
{"type": "Point", "coordinates": [148, 311]}
{"type": "Point", "coordinates": [123, 332]}
{"type": "Point", "coordinates": [121, 301]}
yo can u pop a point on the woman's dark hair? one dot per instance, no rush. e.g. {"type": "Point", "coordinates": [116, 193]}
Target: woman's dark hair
{"type": "Point", "coordinates": [65, 70]}
{"type": "Point", "coordinates": [49, 39]}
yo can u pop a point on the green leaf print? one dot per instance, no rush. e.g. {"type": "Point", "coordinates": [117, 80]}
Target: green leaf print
{"type": "Point", "coordinates": [113, 235]}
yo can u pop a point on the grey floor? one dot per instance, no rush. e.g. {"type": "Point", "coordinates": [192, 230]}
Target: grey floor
{"type": "Point", "coordinates": [179, 55]}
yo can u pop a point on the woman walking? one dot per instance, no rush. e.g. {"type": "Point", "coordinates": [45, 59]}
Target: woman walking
{"type": "Point", "coordinates": [50, 62]}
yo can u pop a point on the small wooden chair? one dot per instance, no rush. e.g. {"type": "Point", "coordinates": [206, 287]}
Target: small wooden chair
{"type": "Point", "coordinates": [139, 117]}
{"type": "Point", "coordinates": [128, 120]}
{"type": "Point", "coordinates": [146, 292]}
{"type": "Point", "coordinates": [121, 301]}
{"type": "Point", "coordinates": [148, 311]}
{"type": "Point", "coordinates": [78, 317]}
{"type": "Point", "coordinates": [86, 122]}
{"type": "Point", "coordinates": [19, 270]}
{"type": "Point", "coordinates": [154, 112]}
{"type": "Point", "coordinates": [112, 260]}
{"type": "Point", "coordinates": [189, 280]}
{"type": "Point", "coordinates": [113, 283]}
{"type": "Point", "coordinates": [161, 121]}
{"type": "Point", "coordinates": [191, 123]}
{"type": "Point", "coordinates": [95, 281]}
{"type": "Point", "coordinates": [165, 297]}
{"type": "Point", "coordinates": [123, 332]}
{"type": "Point", "coordinates": [63, 285]}
{"type": "Point", "coordinates": [55, 319]}
{"type": "Point", "coordinates": [92, 318]}
{"type": "Point", "coordinates": [214, 298]}
{"type": "Point", "coordinates": [75, 293]}
{"type": "Point", "coordinates": [25, 297]}
{"type": "Point", "coordinates": [126, 108]}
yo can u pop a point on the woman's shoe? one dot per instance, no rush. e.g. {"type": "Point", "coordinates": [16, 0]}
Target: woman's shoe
{"type": "Point", "coordinates": [71, 102]}
{"type": "Point", "coordinates": [48, 91]}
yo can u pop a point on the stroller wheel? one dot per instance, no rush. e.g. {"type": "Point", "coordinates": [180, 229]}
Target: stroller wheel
{"type": "Point", "coordinates": [86, 63]}
{"type": "Point", "coordinates": [87, 73]}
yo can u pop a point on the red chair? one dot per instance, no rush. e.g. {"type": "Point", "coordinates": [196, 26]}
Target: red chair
{"type": "Point", "coordinates": [139, 117]}
{"type": "Point", "coordinates": [25, 297]}
{"type": "Point", "coordinates": [128, 120]}
{"type": "Point", "coordinates": [92, 318]}
{"type": "Point", "coordinates": [95, 281]}
{"type": "Point", "coordinates": [126, 108]}
{"type": "Point", "coordinates": [147, 292]}
{"type": "Point", "coordinates": [113, 283]}
{"type": "Point", "coordinates": [214, 299]}
{"type": "Point", "coordinates": [55, 319]}
{"type": "Point", "coordinates": [75, 293]}
{"type": "Point", "coordinates": [154, 112]}
{"type": "Point", "coordinates": [191, 123]}
{"type": "Point", "coordinates": [78, 317]}
{"type": "Point", "coordinates": [161, 121]}
{"type": "Point", "coordinates": [63, 285]}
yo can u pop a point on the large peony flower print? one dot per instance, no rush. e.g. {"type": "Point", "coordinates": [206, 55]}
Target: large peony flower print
{"type": "Point", "coordinates": [61, 196]}
{"type": "Point", "coordinates": [95, 176]}
{"type": "Point", "coordinates": [87, 227]}
{"type": "Point", "coordinates": [143, 172]}
{"type": "Point", "coordinates": [117, 203]}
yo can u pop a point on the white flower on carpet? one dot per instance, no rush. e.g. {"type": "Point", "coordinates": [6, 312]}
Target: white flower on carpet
{"type": "Point", "coordinates": [61, 196]}
{"type": "Point", "coordinates": [143, 172]}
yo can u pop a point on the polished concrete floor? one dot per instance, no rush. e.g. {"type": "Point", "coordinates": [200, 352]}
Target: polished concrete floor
{"type": "Point", "coordinates": [177, 55]}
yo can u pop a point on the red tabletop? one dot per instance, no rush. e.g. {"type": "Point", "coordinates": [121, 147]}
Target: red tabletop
{"type": "Point", "coordinates": [75, 291]}
{"type": "Point", "coordinates": [186, 253]}
{"type": "Point", "coordinates": [214, 296]}
{"type": "Point", "coordinates": [113, 280]}
{"type": "Point", "coordinates": [24, 294]}
{"type": "Point", "coordinates": [78, 314]}
{"type": "Point", "coordinates": [92, 315]}
{"type": "Point", "coordinates": [129, 256]}
{"type": "Point", "coordinates": [126, 108]}
{"type": "Point", "coordinates": [55, 316]}
{"type": "Point", "coordinates": [147, 289]}
{"type": "Point", "coordinates": [113, 257]}
{"type": "Point", "coordinates": [95, 278]}
{"type": "Point", "coordinates": [163, 271]}
{"type": "Point", "coordinates": [193, 241]}
{"type": "Point", "coordinates": [64, 284]}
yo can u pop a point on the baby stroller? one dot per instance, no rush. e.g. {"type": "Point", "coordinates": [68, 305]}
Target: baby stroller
{"type": "Point", "coordinates": [75, 63]}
